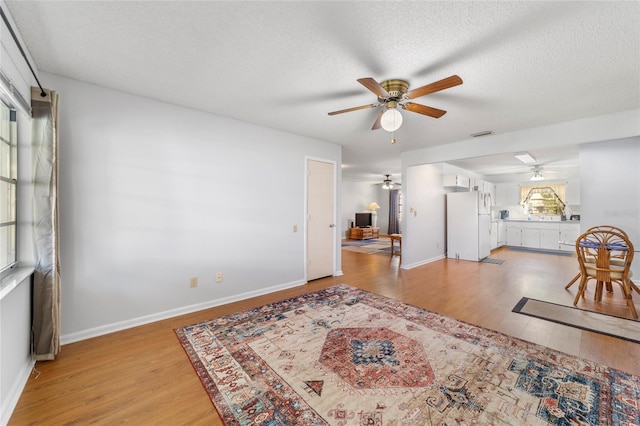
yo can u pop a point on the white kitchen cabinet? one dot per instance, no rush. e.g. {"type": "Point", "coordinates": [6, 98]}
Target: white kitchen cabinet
{"type": "Point", "coordinates": [569, 233]}
{"type": "Point", "coordinates": [494, 235]}
{"type": "Point", "coordinates": [572, 192]}
{"type": "Point", "coordinates": [490, 188]}
{"type": "Point", "coordinates": [530, 238]}
{"type": "Point", "coordinates": [514, 237]}
{"type": "Point", "coordinates": [533, 234]}
{"type": "Point", "coordinates": [457, 182]}
{"type": "Point", "coordinates": [502, 234]}
{"type": "Point", "coordinates": [549, 238]}
{"type": "Point", "coordinates": [507, 194]}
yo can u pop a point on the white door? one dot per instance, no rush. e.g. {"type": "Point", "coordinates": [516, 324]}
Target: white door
{"type": "Point", "coordinates": [320, 219]}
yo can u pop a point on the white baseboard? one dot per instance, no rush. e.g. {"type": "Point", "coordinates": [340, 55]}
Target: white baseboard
{"type": "Point", "coordinates": [147, 319]}
{"type": "Point", "coordinates": [422, 262]}
{"type": "Point", "coordinates": [11, 400]}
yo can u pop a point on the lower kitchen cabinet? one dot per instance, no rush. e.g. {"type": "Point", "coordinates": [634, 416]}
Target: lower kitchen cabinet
{"type": "Point", "coordinates": [541, 235]}
{"type": "Point", "coordinates": [514, 237]}
{"type": "Point", "coordinates": [494, 235]}
{"type": "Point", "coordinates": [531, 238]}
{"type": "Point", "coordinates": [569, 233]}
{"type": "Point", "coordinates": [549, 239]}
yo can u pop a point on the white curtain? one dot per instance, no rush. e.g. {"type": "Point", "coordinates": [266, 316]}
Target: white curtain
{"type": "Point", "coordinates": [46, 281]}
{"type": "Point", "coordinates": [558, 188]}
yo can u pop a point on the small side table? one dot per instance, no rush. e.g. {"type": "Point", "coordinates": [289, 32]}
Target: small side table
{"type": "Point", "coordinates": [396, 237]}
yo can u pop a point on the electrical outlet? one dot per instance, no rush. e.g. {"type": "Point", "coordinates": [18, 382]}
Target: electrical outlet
{"type": "Point", "coordinates": [218, 277]}
{"type": "Point", "coordinates": [194, 282]}
{"type": "Point", "coordinates": [295, 228]}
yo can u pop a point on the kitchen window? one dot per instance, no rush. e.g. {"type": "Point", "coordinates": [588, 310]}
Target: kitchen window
{"type": "Point", "coordinates": [543, 200]}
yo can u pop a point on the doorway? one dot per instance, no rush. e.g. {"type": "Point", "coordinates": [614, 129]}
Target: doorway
{"type": "Point", "coordinates": [321, 229]}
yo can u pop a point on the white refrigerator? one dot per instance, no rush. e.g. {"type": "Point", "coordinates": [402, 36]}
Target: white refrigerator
{"type": "Point", "coordinates": [468, 225]}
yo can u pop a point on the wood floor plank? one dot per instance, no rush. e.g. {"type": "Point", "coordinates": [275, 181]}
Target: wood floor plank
{"type": "Point", "coordinates": [142, 375]}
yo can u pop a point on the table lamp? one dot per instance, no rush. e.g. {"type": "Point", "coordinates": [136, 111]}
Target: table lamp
{"type": "Point", "coordinates": [374, 215]}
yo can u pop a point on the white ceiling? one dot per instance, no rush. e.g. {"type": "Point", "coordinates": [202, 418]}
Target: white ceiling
{"type": "Point", "coordinates": [286, 64]}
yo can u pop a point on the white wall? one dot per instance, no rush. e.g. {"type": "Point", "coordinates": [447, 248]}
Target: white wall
{"type": "Point", "coordinates": [153, 194]}
{"type": "Point", "coordinates": [15, 307]}
{"type": "Point", "coordinates": [610, 188]}
{"type": "Point", "coordinates": [15, 351]}
{"type": "Point", "coordinates": [424, 212]}
{"type": "Point", "coordinates": [356, 197]}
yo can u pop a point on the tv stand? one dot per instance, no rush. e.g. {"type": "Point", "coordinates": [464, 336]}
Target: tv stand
{"type": "Point", "coordinates": [363, 233]}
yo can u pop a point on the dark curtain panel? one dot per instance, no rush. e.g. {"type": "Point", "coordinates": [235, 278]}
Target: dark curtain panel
{"type": "Point", "coordinates": [394, 224]}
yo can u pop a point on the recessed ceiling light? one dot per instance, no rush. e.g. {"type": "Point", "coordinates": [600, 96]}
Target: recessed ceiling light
{"type": "Point", "coordinates": [525, 157]}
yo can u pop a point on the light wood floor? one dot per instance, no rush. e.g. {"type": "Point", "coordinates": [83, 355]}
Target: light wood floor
{"type": "Point", "coordinates": [142, 376]}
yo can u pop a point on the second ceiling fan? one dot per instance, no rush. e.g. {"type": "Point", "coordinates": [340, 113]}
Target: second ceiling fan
{"type": "Point", "coordinates": [395, 93]}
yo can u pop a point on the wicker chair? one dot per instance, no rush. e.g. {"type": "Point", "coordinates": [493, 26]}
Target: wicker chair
{"type": "Point", "coordinates": [610, 228]}
{"type": "Point", "coordinates": [599, 228]}
{"type": "Point", "coordinates": [605, 256]}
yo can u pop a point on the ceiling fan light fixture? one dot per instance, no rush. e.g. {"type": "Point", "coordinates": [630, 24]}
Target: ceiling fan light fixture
{"type": "Point", "coordinates": [391, 120]}
{"type": "Point", "coordinates": [537, 176]}
{"type": "Point", "coordinates": [387, 183]}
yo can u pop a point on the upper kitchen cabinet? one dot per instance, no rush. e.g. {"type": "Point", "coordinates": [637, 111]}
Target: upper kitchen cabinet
{"type": "Point", "coordinates": [507, 194]}
{"type": "Point", "coordinates": [483, 186]}
{"type": "Point", "coordinates": [491, 189]}
{"type": "Point", "coordinates": [455, 182]}
{"type": "Point", "coordinates": [573, 192]}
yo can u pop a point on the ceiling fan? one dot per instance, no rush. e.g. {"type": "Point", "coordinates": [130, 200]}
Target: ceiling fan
{"type": "Point", "coordinates": [536, 173]}
{"type": "Point", "coordinates": [395, 93]}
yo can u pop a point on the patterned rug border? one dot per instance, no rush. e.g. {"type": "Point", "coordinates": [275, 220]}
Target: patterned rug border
{"type": "Point", "coordinates": [482, 337]}
{"type": "Point", "coordinates": [522, 302]}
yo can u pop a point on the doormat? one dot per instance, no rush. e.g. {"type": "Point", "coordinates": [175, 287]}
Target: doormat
{"type": "Point", "coordinates": [622, 328]}
{"type": "Point", "coordinates": [344, 356]}
{"type": "Point", "coordinates": [533, 250]}
{"type": "Point", "coordinates": [493, 260]}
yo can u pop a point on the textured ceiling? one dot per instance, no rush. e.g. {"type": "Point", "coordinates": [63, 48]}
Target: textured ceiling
{"type": "Point", "coordinates": [286, 64]}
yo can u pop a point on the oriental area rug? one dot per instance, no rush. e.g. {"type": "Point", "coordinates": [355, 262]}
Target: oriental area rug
{"type": "Point", "coordinates": [343, 356]}
{"type": "Point", "coordinates": [372, 246]}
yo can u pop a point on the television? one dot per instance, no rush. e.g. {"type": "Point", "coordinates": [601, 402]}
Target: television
{"type": "Point", "coordinates": [363, 220]}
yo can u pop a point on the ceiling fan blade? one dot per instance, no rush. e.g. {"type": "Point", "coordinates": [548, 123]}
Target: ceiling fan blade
{"type": "Point", "coordinates": [424, 110]}
{"type": "Point", "coordinates": [353, 109]}
{"type": "Point", "coordinates": [445, 83]}
{"type": "Point", "coordinates": [374, 86]}
{"type": "Point", "coordinates": [376, 124]}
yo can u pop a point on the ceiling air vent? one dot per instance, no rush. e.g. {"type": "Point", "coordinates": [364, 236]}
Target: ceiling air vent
{"type": "Point", "coordinates": [484, 133]}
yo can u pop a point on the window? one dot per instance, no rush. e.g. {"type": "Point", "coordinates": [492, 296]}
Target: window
{"type": "Point", "coordinates": [543, 200]}
{"type": "Point", "coordinates": [8, 184]}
